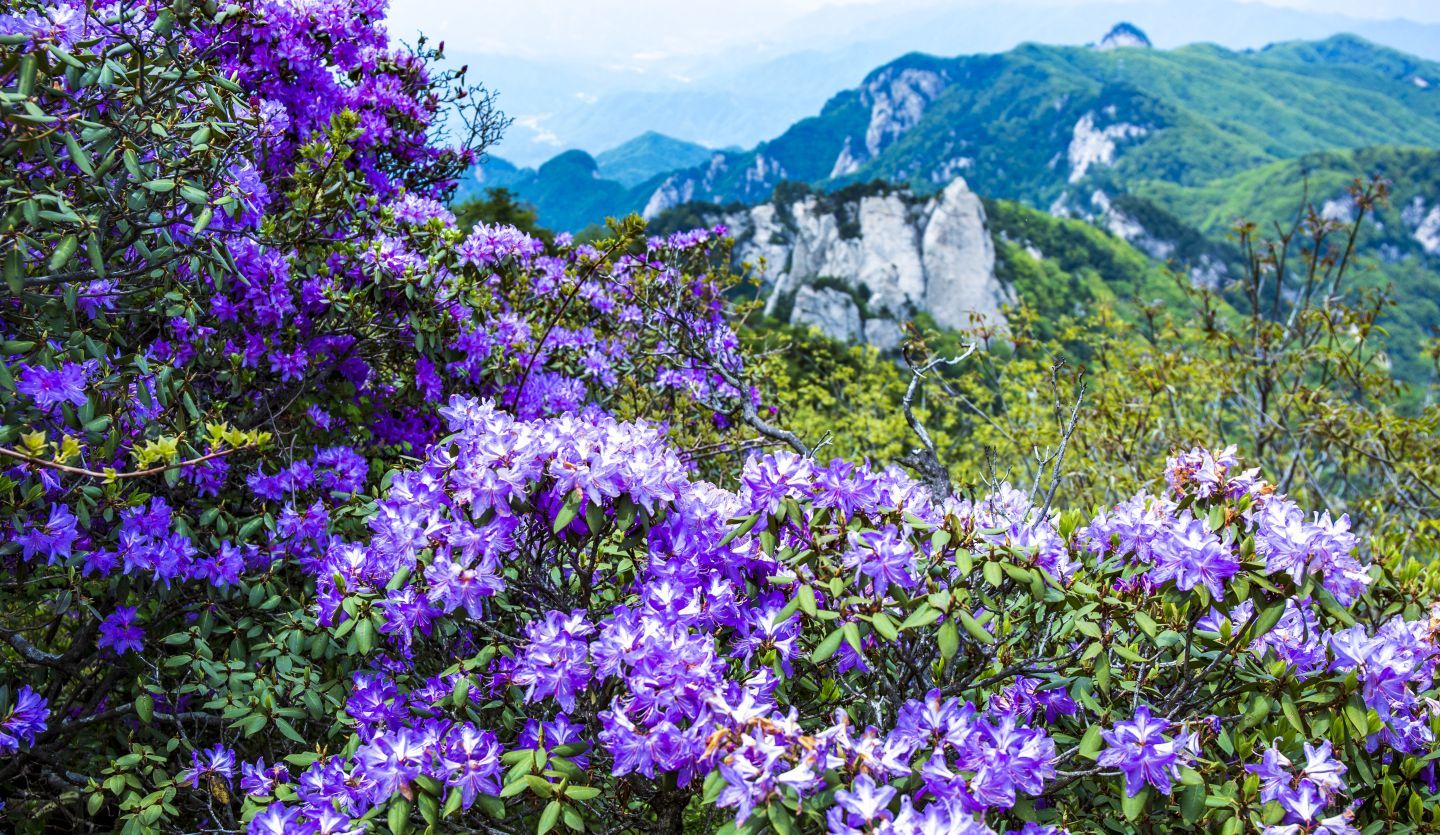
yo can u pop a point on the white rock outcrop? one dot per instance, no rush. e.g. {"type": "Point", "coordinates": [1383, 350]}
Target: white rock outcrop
{"type": "Point", "coordinates": [1091, 146]}
{"type": "Point", "coordinates": [832, 311]}
{"type": "Point", "coordinates": [1427, 233]}
{"type": "Point", "coordinates": [900, 254]}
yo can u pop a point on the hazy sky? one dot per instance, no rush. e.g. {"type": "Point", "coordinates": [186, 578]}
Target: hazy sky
{"type": "Point", "coordinates": [587, 30]}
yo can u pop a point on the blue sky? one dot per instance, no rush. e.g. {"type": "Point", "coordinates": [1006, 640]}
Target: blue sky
{"type": "Point", "coordinates": [641, 31]}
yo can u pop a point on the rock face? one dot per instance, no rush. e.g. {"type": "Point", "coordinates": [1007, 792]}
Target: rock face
{"type": "Point", "coordinates": [1425, 224]}
{"type": "Point", "coordinates": [833, 311]}
{"type": "Point", "coordinates": [858, 268]}
{"type": "Point", "coordinates": [1091, 146]}
{"type": "Point", "coordinates": [1123, 35]}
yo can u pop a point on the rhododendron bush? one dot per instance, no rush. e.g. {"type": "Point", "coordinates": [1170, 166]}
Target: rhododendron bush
{"type": "Point", "coordinates": [323, 515]}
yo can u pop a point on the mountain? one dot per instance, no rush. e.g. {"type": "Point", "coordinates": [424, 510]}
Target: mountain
{"type": "Point", "coordinates": [568, 191]}
{"type": "Point", "coordinates": [573, 190]}
{"type": "Point", "coordinates": [1046, 124]}
{"type": "Point", "coordinates": [1125, 35]}
{"type": "Point", "coordinates": [1162, 148]}
{"type": "Point", "coordinates": [647, 155]}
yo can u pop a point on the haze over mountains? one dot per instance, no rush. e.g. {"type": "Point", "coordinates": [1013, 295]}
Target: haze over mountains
{"type": "Point", "coordinates": [742, 95]}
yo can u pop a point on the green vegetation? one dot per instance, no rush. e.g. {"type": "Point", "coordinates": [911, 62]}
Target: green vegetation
{"type": "Point", "coordinates": [647, 155]}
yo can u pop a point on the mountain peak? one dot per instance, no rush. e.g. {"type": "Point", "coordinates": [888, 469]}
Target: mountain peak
{"type": "Point", "coordinates": [1124, 34]}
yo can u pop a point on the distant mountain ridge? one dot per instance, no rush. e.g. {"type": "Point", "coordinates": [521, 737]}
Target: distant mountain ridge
{"type": "Point", "coordinates": [574, 189]}
{"type": "Point", "coordinates": [647, 155]}
{"type": "Point", "coordinates": [745, 95]}
{"type": "Point", "coordinates": [1046, 125]}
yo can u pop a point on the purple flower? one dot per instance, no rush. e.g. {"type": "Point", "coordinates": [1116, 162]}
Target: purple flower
{"type": "Point", "coordinates": [488, 244]}
{"type": "Point", "coordinates": [1322, 769]}
{"type": "Point", "coordinates": [1193, 556]}
{"type": "Point", "coordinates": [865, 799]}
{"type": "Point", "coordinates": [26, 720]}
{"type": "Point", "coordinates": [54, 540]}
{"type": "Point", "coordinates": [391, 761]}
{"type": "Point", "coordinates": [1143, 753]}
{"type": "Point", "coordinates": [472, 760]}
{"type": "Point", "coordinates": [214, 764]}
{"type": "Point", "coordinates": [884, 556]}
{"type": "Point", "coordinates": [414, 210]}
{"type": "Point", "coordinates": [277, 819]}
{"type": "Point", "coordinates": [556, 661]}
{"type": "Point", "coordinates": [119, 633]}
{"type": "Point", "coordinates": [50, 387]}
{"type": "Point", "coordinates": [1273, 771]}
{"type": "Point", "coordinates": [257, 780]}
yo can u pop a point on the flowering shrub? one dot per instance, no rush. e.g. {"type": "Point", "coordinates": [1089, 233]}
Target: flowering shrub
{"type": "Point", "coordinates": [323, 515]}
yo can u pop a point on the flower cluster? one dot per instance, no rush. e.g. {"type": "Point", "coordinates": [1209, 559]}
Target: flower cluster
{"type": "Point", "coordinates": [1304, 795]}
{"type": "Point", "coordinates": [1143, 752]}
{"type": "Point", "coordinates": [27, 718]}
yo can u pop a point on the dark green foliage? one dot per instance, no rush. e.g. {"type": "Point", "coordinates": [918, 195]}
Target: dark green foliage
{"type": "Point", "coordinates": [1078, 265]}
{"type": "Point", "coordinates": [1389, 256]}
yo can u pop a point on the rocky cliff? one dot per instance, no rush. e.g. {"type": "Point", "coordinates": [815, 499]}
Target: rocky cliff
{"type": "Point", "coordinates": [858, 265]}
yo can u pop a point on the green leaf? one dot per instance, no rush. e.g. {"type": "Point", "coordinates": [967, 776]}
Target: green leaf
{"type": "Point", "coordinates": [1147, 624]}
{"type": "Point", "coordinates": [582, 792]}
{"type": "Point", "coordinates": [78, 155]}
{"type": "Point", "coordinates": [1268, 618]}
{"type": "Point", "coordinates": [973, 627]}
{"type": "Point", "coordinates": [159, 186]}
{"type": "Point", "coordinates": [567, 511]}
{"type": "Point", "coordinates": [884, 626]}
{"type": "Point", "coordinates": [452, 804]}
{"type": "Point", "coordinates": [1358, 714]}
{"type": "Point", "coordinates": [948, 639]}
{"type": "Point", "coordinates": [399, 816]}
{"type": "Point", "coordinates": [1090, 742]}
{"type": "Point", "coordinates": [61, 256]}
{"type": "Point", "coordinates": [780, 818]}
{"type": "Point", "coordinates": [144, 707]}
{"type": "Point", "coordinates": [289, 730]}
{"type": "Point", "coordinates": [827, 647]}
{"type": "Point", "coordinates": [1257, 712]}
{"type": "Point", "coordinates": [1134, 807]}
{"type": "Point", "coordinates": [922, 616]}
{"type": "Point", "coordinates": [364, 636]}
{"type": "Point", "coordinates": [202, 220]}
{"type": "Point", "coordinates": [1192, 803]}
{"type": "Point", "coordinates": [806, 596]}
{"type": "Point", "coordinates": [746, 525]}
{"type": "Point", "coordinates": [1292, 713]}
{"type": "Point", "coordinates": [1333, 607]}
{"type": "Point", "coordinates": [548, 818]}
{"type": "Point", "coordinates": [512, 789]}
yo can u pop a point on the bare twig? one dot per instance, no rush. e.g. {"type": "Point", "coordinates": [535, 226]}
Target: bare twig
{"type": "Point", "coordinates": [66, 468]}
